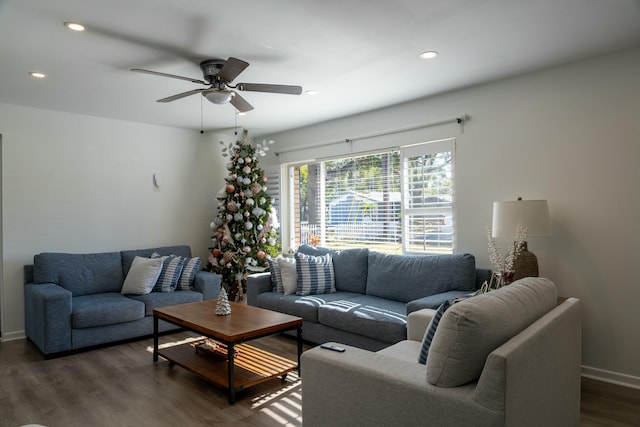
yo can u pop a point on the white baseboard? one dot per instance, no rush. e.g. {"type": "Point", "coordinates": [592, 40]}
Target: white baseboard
{"type": "Point", "coordinates": [12, 336]}
{"type": "Point", "coordinates": [611, 377]}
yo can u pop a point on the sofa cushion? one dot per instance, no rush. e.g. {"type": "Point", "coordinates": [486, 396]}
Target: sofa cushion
{"type": "Point", "coordinates": [350, 266]}
{"type": "Point", "coordinates": [163, 299]}
{"type": "Point", "coordinates": [374, 317]}
{"type": "Point", "coordinates": [171, 269]}
{"type": "Point", "coordinates": [142, 276]}
{"type": "Point", "coordinates": [471, 329]}
{"type": "Point", "coordinates": [315, 274]}
{"type": "Point", "coordinates": [406, 278]}
{"type": "Point", "coordinates": [305, 307]}
{"type": "Point", "coordinates": [188, 274]}
{"type": "Point", "coordinates": [82, 274]}
{"type": "Point", "coordinates": [128, 256]}
{"type": "Point", "coordinates": [88, 311]}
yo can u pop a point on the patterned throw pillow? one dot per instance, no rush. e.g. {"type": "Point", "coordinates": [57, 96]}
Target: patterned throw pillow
{"type": "Point", "coordinates": [276, 275]}
{"type": "Point", "coordinates": [171, 268]}
{"type": "Point", "coordinates": [315, 274]}
{"type": "Point", "coordinates": [188, 275]}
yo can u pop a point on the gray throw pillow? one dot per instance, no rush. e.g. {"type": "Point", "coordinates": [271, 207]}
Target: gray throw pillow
{"type": "Point", "coordinates": [471, 329]}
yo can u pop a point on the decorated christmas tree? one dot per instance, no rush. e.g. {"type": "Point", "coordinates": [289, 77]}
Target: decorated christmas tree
{"type": "Point", "coordinates": [245, 227]}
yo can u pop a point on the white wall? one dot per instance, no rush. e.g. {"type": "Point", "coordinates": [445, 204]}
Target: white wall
{"type": "Point", "coordinates": [74, 183]}
{"type": "Point", "coordinates": [570, 135]}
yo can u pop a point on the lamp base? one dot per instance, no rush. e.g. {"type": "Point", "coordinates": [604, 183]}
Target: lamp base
{"type": "Point", "coordinates": [526, 265]}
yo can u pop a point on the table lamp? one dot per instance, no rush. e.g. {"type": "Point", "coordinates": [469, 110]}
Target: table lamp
{"type": "Point", "coordinates": [533, 214]}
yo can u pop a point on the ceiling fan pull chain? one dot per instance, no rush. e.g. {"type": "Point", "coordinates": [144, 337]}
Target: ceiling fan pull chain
{"type": "Point", "coordinates": [235, 122]}
{"type": "Point", "coordinates": [201, 119]}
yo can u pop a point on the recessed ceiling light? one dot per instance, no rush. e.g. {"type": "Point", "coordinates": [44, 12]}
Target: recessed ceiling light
{"type": "Point", "coordinates": [241, 113]}
{"type": "Point", "coordinates": [37, 74]}
{"type": "Point", "coordinates": [74, 26]}
{"type": "Point", "coordinates": [429, 54]}
{"type": "Point", "coordinates": [311, 92]}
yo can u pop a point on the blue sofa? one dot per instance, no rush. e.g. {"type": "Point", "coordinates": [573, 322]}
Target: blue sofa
{"type": "Point", "coordinates": [374, 294]}
{"type": "Point", "coordinates": [74, 301]}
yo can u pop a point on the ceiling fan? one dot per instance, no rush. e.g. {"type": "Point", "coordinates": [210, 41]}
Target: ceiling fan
{"type": "Point", "coordinates": [218, 75]}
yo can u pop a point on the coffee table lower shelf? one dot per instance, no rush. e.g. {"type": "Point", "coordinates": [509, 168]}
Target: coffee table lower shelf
{"type": "Point", "coordinates": [251, 365]}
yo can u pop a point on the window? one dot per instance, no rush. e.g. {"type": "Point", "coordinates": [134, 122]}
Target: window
{"type": "Point", "coordinates": [428, 203]}
{"type": "Point", "coordinates": [397, 201]}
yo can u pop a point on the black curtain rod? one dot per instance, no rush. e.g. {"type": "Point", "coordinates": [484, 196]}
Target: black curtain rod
{"type": "Point", "coordinates": [459, 120]}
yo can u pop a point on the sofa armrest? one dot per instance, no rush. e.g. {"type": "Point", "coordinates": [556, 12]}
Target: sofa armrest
{"type": "Point", "coordinates": [434, 301]}
{"type": "Point", "coordinates": [208, 284]}
{"type": "Point", "coordinates": [47, 312]}
{"type": "Point", "coordinates": [418, 322]}
{"type": "Point", "coordinates": [362, 388]}
{"type": "Point", "coordinates": [541, 364]}
{"type": "Point", "coordinates": [257, 284]}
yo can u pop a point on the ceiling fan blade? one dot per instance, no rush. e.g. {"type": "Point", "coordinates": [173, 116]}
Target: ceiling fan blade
{"type": "Point", "coordinates": [259, 87]}
{"type": "Point", "coordinates": [173, 76]}
{"type": "Point", "coordinates": [181, 95]}
{"type": "Point", "coordinates": [240, 103]}
{"type": "Point", "coordinates": [231, 69]}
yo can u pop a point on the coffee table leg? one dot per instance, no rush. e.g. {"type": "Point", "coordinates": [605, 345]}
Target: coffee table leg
{"type": "Point", "coordinates": [155, 338]}
{"type": "Point", "coordinates": [299, 349]}
{"type": "Point", "coordinates": [232, 387]}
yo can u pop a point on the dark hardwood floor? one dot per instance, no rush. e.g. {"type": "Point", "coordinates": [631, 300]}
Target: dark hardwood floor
{"type": "Point", "coordinates": [121, 386]}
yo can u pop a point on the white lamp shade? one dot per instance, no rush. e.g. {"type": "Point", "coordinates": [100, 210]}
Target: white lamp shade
{"type": "Point", "coordinates": [533, 214]}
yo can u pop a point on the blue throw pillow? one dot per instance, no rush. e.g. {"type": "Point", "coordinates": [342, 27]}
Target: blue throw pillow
{"type": "Point", "coordinates": [171, 269]}
{"type": "Point", "coordinates": [350, 266]}
{"type": "Point", "coordinates": [276, 275]}
{"type": "Point", "coordinates": [189, 271]}
{"type": "Point", "coordinates": [315, 274]}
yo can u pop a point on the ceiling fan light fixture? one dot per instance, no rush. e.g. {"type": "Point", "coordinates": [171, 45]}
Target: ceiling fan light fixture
{"type": "Point", "coordinates": [218, 96]}
{"type": "Point", "coordinates": [74, 26]}
{"type": "Point", "coordinates": [429, 54]}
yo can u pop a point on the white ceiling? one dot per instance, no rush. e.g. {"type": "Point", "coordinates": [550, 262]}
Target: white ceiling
{"type": "Point", "coordinates": [359, 54]}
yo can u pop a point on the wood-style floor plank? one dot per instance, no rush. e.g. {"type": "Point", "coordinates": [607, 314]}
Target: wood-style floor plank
{"type": "Point", "coordinates": [121, 386]}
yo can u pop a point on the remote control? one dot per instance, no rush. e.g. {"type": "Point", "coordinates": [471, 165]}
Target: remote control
{"type": "Point", "coordinates": [333, 347]}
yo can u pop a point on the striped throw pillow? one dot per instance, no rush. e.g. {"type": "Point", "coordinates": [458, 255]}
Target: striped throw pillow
{"type": "Point", "coordinates": [171, 269]}
{"type": "Point", "coordinates": [428, 337]}
{"type": "Point", "coordinates": [315, 274]}
{"type": "Point", "coordinates": [276, 275]}
{"type": "Point", "coordinates": [188, 275]}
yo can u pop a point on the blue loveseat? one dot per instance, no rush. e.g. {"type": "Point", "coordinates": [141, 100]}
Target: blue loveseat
{"type": "Point", "coordinates": [374, 294]}
{"type": "Point", "coordinates": [74, 301]}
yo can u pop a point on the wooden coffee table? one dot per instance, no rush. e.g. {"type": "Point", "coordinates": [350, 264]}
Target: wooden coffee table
{"type": "Point", "coordinates": [238, 365]}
